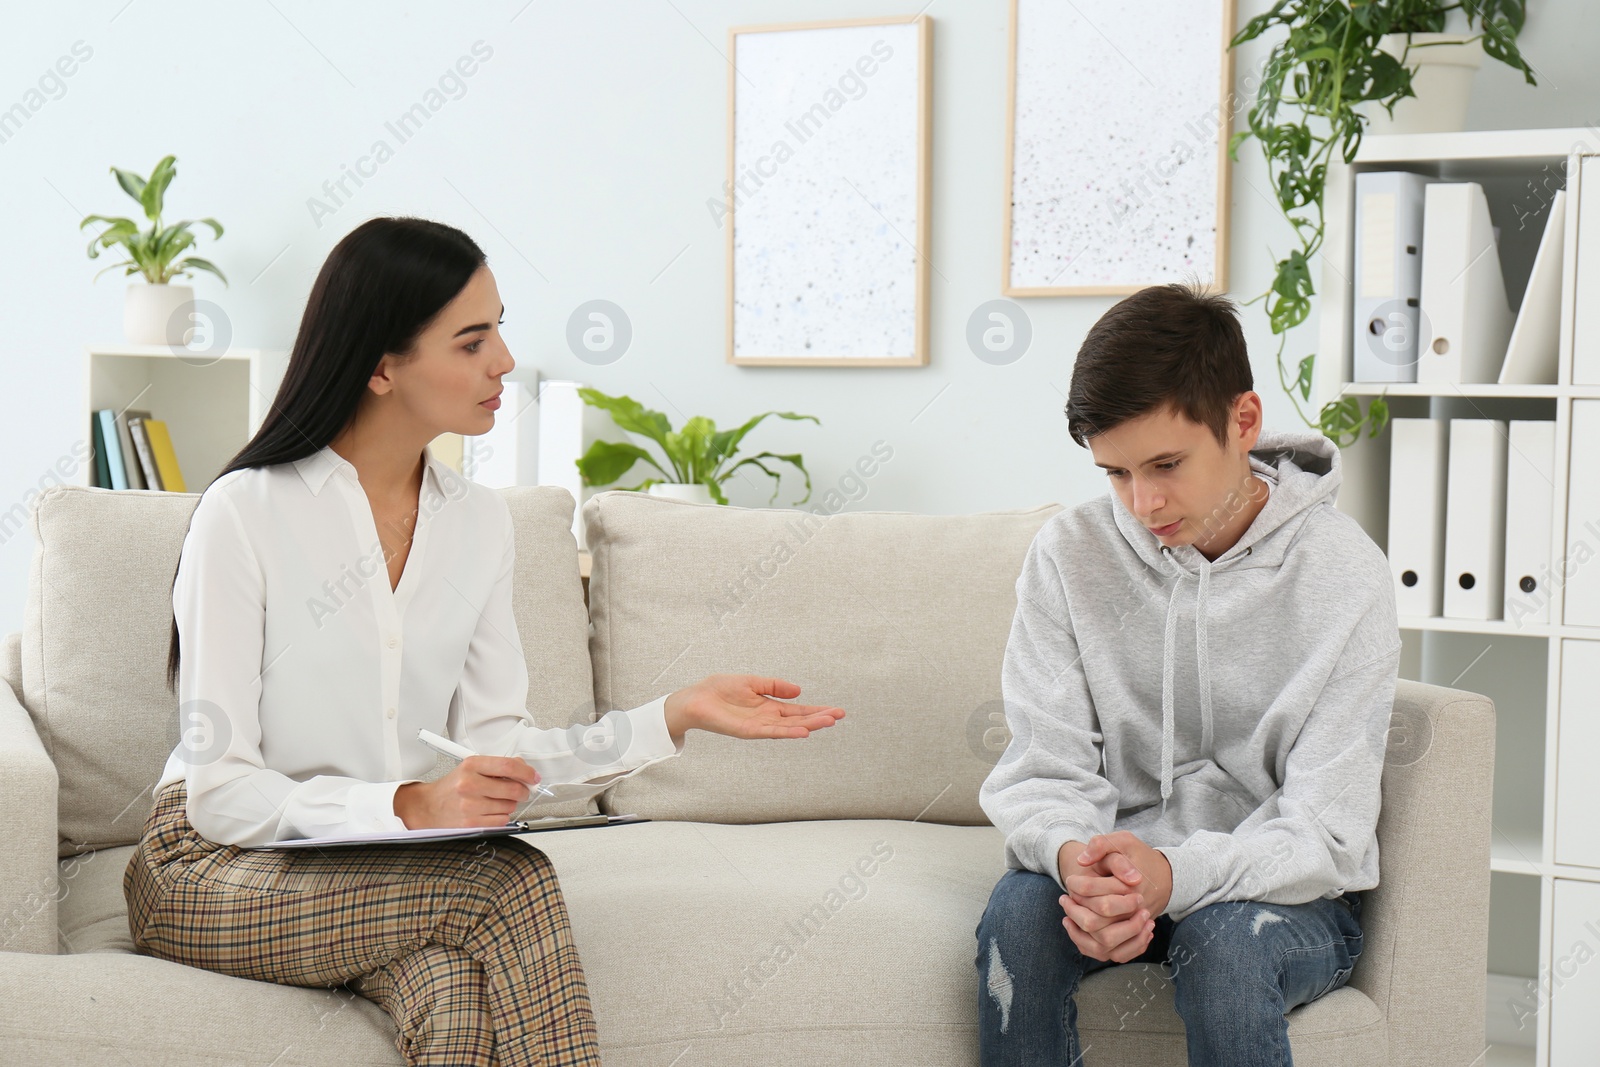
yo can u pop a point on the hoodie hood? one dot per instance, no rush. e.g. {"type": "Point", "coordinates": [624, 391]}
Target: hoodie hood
{"type": "Point", "coordinates": [1301, 471]}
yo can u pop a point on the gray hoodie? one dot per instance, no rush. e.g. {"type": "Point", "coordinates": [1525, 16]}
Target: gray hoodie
{"type": "Point", "coordinates": [1252, 756]}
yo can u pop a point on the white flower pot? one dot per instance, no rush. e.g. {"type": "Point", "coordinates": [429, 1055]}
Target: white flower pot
{"type": "Point", "coordinates": [694, 494]}
{"type": "Point", "coordinates": [158, 314]}
{"type": "Point", "coordinates": [1446, 64]}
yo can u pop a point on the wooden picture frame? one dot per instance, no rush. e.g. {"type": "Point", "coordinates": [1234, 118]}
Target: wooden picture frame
{"type": "Point", "coordinates": [827, 196]}
{"type": "Point", "coordinates": [1116, 194]}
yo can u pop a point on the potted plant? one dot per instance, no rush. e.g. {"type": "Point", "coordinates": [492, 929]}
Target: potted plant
{"type": "Point", "coordinates": [158, 312]}
{"type": "Point", "coordinates": [697, 457]}
{"type": "Point", "coordinates": [1339, 62]}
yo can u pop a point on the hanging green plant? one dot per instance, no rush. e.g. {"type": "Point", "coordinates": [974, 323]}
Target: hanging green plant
{"type": "Point", "coordinates": [1308, 112]}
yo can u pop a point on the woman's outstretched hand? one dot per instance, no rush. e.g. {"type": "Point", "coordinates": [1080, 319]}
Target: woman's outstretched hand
{"type": "Point", "coordinates": [742, 705]}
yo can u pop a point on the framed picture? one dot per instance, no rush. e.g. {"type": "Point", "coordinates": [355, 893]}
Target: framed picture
{"type": "Point", "coordinates": [826, 202]}
{"type": "Point", "coordinates": [1117, 142]}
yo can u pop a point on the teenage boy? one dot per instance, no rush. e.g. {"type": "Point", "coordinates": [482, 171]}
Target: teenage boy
{"type": "Point", "coordinates": [1198, 683]}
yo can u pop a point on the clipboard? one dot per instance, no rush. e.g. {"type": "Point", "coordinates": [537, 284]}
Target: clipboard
{"type": "Point", "coordinates": [408, 837]}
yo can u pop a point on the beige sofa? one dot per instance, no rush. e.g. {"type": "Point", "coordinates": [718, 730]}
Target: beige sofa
{"type": "Point", "coordinates": [793, 902]}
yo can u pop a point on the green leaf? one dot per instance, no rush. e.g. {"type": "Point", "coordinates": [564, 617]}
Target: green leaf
{"type": "Point", "coordinates": [726, 443]}
{"type": "Point", "coordinates": [647, 483]}
{"type": "Point", "coordinates": [696, 444]}
{"type": "Point", "coordinates": [606, 461]}
{"type": "Point", "coordinates": [196, 263]}
{"type": "Point", "coordinates": [131, 183]}
{"type": "Point", "coordinates": [630, 415]}
{"type": "Point", "coordinates": [132, 269]}
{"type": "Point", "coordinates": [1303, 382]}
{"type": "Point", "coordinates": [170, 241]}
{"type": "Point", "coordinates": [117, 233]}
{"type": "Point", "coordinates": [792, 459]}
{"type": "Point", "coordinates": [155, 190]}
{"type": "Point", "coordinates": [110, 220]}
{"type": "Point", "coordinates": [1378, 414]}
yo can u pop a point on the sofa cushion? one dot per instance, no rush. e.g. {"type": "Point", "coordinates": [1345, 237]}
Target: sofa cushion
{"type": "Point", "coordinates": [899, 619]}
{"type": "Point", "coordinates": [63, 1011]}
{"type": "Point", "coordinates": [846, 941]}
{"type": "Point", "coordinates": [99, 617]}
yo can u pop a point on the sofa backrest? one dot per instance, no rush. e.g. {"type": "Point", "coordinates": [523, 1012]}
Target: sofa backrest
{"type": "Point", "coordinates": [1434, 829]}
{"type": "Point", "coordinates": [11, 663]}
{"type": "Point", "coordinates": [98, 620]}
{"type": "Point", "coordinates": [899, 619]}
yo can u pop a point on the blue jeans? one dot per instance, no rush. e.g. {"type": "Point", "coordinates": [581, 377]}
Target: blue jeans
{"type": "Point", "coordinates": [1237, 967]}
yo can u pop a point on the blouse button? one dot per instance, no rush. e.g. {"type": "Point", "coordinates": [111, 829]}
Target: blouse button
{"type": "Point", "coordinates": [393, 641]}
{"type": "Point", "coordinates": [390, 713]}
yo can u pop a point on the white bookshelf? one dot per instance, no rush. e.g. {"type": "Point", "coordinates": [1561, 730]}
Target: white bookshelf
{"type": "Point", "coordinates": [212, 402]}
{"type": "Point", "coordinates": [1540, 909]}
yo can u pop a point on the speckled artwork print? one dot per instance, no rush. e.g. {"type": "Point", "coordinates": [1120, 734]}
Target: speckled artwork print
{"type": "Point", "coordinates": [1114, 170]}
{"type": "Point", "coordinates": [825, 198]}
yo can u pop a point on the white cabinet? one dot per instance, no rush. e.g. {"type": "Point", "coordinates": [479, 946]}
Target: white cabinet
{"type": "Point", "coordinates": [1571, 985]}
{"type": "Point", "coordinates": [1577, 745]}
{"type": "Point", "coordinates": [212, 401]}
{"type": "Point", "coordinates": [1582, 562]}
{"type": "Point", "coordinates": [1586, 310]}
{"type": "Point", "coordinates": [1543, 674]}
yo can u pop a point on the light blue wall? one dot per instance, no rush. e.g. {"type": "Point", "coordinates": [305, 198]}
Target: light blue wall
{"type": "Point", "coordinates": [581, 155]}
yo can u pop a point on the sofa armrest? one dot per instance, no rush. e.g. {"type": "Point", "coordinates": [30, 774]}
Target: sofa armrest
{"type": "Point", "coordinates": [1426, 925]}
{"type": "Point", "coordinates": [28, 872]}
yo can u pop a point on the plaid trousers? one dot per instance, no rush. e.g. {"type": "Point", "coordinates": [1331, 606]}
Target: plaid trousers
{"type": "Point", "coordinates": [465, 944]}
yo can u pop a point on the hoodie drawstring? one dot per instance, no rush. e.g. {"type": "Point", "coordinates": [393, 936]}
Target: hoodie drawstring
{"type": "Point", "coordinates": [1166, 695]}
{"type": "Point", "coordinates": [1202, 656]}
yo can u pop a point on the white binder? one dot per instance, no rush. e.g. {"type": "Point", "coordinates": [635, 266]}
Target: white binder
{"type": "Point", "coordinates": [1475, 520]}
{"type": "Point", "coordinates": [1530, 499]}
{"type": "Point", "coordinates": [1417, 474]}
{"type": "Point", "coordinates": [1463, 293]}
{"type": "Point", "coordinates": [1586, 279]}
{"type": "Point", "coordinates": [1531, 353]}
{"type": "Point", "coordinates": [567, 427]}
{"type": "Point", "coordinates": [1388, 275]}
{"type": "Point", "coordinates": [1580, 595]}
{"type": "Point", "coordinates": [508, 454]}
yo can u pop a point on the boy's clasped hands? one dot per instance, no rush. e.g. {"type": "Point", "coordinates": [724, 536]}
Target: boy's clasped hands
{"type": "Point", "coordinates": [1116, 886]}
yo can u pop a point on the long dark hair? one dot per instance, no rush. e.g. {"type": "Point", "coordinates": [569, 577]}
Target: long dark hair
{"type": "Point", "coordinates": [380, 287]}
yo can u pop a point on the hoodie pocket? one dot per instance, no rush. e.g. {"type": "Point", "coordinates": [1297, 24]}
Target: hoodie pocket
{"type": "Point", "coordinates": [1223, 805]}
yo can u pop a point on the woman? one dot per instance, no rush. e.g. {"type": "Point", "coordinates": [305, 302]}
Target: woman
{"type": "Point", "coordinates": [339, 589]}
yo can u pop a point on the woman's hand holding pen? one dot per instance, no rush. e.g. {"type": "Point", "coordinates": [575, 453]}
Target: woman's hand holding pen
{"type": "Point", "coordinates": [480, 791]}
{"type": "Point", "coordinates": [741, 705]}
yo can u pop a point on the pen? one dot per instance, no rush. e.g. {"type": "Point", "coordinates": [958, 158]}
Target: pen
{"type": "Point", "coordinates": [445, 746]}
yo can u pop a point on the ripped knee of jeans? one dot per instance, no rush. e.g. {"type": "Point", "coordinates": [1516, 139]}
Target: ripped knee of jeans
{"type": "Point", "coordinates": [999, 985]}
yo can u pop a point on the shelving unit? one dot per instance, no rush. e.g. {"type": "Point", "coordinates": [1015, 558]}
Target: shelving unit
{"type": "Point", "coordinates": [1543, 678]}
{"type": "Point", "coordinates": [212, 402]}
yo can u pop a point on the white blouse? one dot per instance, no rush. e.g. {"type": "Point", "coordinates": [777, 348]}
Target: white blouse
{"type": "Point", "coordinates": [304, 678]}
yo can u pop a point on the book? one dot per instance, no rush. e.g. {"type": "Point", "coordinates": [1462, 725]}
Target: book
{"type": "Point", "coordinates": [102, 470]}
{"type": "Point", "coordinates": [409, 837]}
{"type": "Point", "coordinates": [141, 446]}
{"type": "Point", "coordinates": [130, 455]}
{"type": "Point", "coordinates": [166, 459]}
{"type": "Point", "coordinates": [113, 443]}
